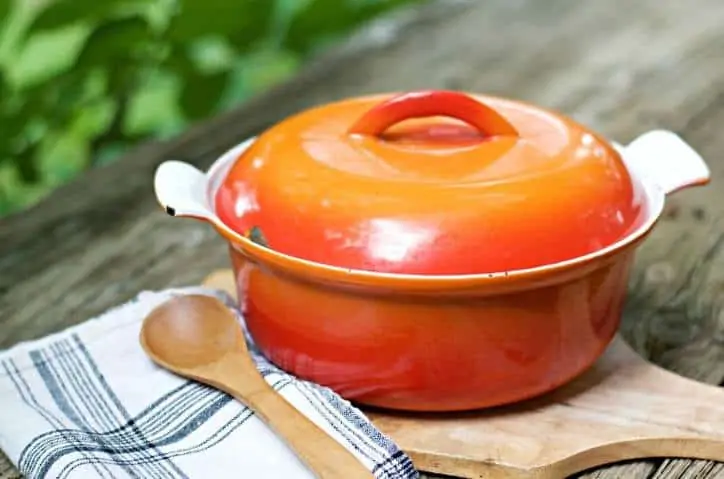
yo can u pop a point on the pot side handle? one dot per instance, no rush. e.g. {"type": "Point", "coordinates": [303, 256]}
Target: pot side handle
{"type": "Point", "coordinates": [181, 190]}
{"type": "Point", "coordinates": [665, 159]}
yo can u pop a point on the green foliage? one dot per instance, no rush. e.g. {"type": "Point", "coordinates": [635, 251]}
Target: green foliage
{"type": "Point", "coordinates": [66, 12]}
{"type": "Point", "coordinates": [242, 23]}
{"type": "Point", "coordinates": [82, 80]}
{"type": "Point", "coordinates": [5, 6]}
{"type": "Point", "coordinates": [321, 21]}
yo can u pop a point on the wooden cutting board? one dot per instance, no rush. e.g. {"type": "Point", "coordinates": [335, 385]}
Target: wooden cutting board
{"type": "Point", "coordinates": [623, 408]}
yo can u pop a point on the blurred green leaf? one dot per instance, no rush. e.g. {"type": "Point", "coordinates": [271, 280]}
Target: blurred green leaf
{"type": "Point", "coordinates": [19, 131]}
{"type": "Point", "coordinates": [93, 119]}
{"type": "Point", "coordinates": [122, 78]}
{"type": "Point", "coordinates": [3, 89]}
{"type": "Point", "coordinates": [116, 41]}
{"type": "Point", "coordinates": [25, 162]}
{"type": "Point", "coordinates": [12, 126]}
{"type": "Point", "coordinates": [5, 143]}
{"type": "Point", "coordinates": [242, 22]}
{"type": "Point", "coordinates": [5, 203]}
{"type": "Point", "coordinates": [15, 193]}
{"type": "Point", "coordinates": [153, 107]}
{"type": "Point", "coordinates": [212, 54]}
{"type": "Point", "coordinates": [67, 92]}
{"type": "Point", "coordinates": [60, 13]}
{"type": "Point", "coordinates": [82, 80]}
{"type": "Point", "coordinates": [5, 7]}
{"type": "Point", "coordinates": [179, 61]}
{"type": "Point", "coordinates": [320, 21]}
{"type": "Point", "coordinates": [45, 55]}
{"type": "Point", "coordinates": [319, 18]}
{"type": "Point", "coordinates": [65, 151]}
{"type": "Point", "coordinates": [201, 93]}
{"type": "Point", "coordinates": [63, 13]}
{"type": "Point", "coordinates": [109, 152]}
{"type": "Point", "coordinates": [201, 90]}
{"type": "Point", "coordinates": [265, 68]}
{"type": "Point", "coordinates": [63, 155]}
{"type": "Point", "coordinates": [56, 102]}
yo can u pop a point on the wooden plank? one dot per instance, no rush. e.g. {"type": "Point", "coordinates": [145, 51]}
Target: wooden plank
{"type": "Point", "coordinates": [636, 409]}
{"type": "Point", "coordinates": [621, 67]}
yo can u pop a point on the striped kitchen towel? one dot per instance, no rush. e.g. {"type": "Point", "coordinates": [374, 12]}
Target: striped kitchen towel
{"type": "Point", "coordinates": [88, 403]}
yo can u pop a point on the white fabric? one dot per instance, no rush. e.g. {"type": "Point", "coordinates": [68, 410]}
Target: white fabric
{"type": "Point", "coordinates": [88, 403]}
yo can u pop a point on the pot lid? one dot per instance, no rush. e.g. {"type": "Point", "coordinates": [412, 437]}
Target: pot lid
{"type": "Point", "coordinates": [430, 182]}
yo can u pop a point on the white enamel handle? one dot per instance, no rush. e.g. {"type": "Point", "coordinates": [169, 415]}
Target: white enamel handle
{"type": "Point", "coordinates": [663, 158]}
{"type": "Point", "coordinates": [181, 190]}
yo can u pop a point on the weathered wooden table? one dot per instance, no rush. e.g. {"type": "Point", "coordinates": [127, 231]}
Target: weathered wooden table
{"type": "Point", "coordinates": [619, 66]}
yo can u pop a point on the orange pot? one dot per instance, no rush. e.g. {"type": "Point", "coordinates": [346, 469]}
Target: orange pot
{"type": "Point", "coordinates": [433, 250]}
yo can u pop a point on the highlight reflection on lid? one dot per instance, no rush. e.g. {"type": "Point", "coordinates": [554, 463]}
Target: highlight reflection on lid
{"type": "Point", "coordinates": [431, 182]}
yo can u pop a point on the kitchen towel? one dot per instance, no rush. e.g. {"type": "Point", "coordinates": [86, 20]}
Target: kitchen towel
{"type": "Point", "coordinates": [88, 403]}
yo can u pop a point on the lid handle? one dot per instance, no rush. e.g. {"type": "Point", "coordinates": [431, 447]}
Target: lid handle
{"type": "Point", "coordinates": [426, 103]}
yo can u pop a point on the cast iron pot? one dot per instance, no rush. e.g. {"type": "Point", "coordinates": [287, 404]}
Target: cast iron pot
{"type": "Point", "coordinates": [433, 250]}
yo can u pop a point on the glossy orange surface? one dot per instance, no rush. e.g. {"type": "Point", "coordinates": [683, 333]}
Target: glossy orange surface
{"type": "Point", "coordinates": [433, 251]}
{"type": "Point", "coordinates": [443, 350]}
{"type": "Point", "coordinates": [431, 183]}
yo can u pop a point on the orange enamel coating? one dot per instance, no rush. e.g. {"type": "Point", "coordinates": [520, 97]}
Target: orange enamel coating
{"type": "Point", "coordinates": [379, 184]}
{"type": "Point", "coordinates": [382, 116]}
{"type": "Point", "coordinates": [432, 264]}
{"type": "Point", "coordinates": [435, 352]}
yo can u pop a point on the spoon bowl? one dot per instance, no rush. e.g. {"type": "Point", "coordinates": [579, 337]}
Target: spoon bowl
{"type": "Point", "coordinates": [198, 337]}
{"type": "Point", "coordinates": [200, 327]}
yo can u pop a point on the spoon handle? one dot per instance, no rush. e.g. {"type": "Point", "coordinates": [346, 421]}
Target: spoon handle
{"type": "Point", "coordinates": [326, 457]}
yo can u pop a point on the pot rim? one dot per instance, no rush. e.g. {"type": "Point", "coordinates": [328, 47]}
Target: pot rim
{"type": "Point", "coordinates": [654, 198]}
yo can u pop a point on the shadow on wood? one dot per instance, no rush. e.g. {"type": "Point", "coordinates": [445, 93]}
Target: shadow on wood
{"type": "Point", "coordinates": [623, 408]}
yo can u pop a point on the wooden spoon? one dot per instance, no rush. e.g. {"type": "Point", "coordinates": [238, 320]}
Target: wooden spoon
{"type": "Point", "coordinates": [196, 336]}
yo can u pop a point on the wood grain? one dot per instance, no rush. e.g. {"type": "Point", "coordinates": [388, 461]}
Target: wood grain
{"type": "Point", "coordinates": [197, 337]}
{"type": "Point", "coordinates": [624, 407]}
{"type": "Point", "coordinates": [621, 67]}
